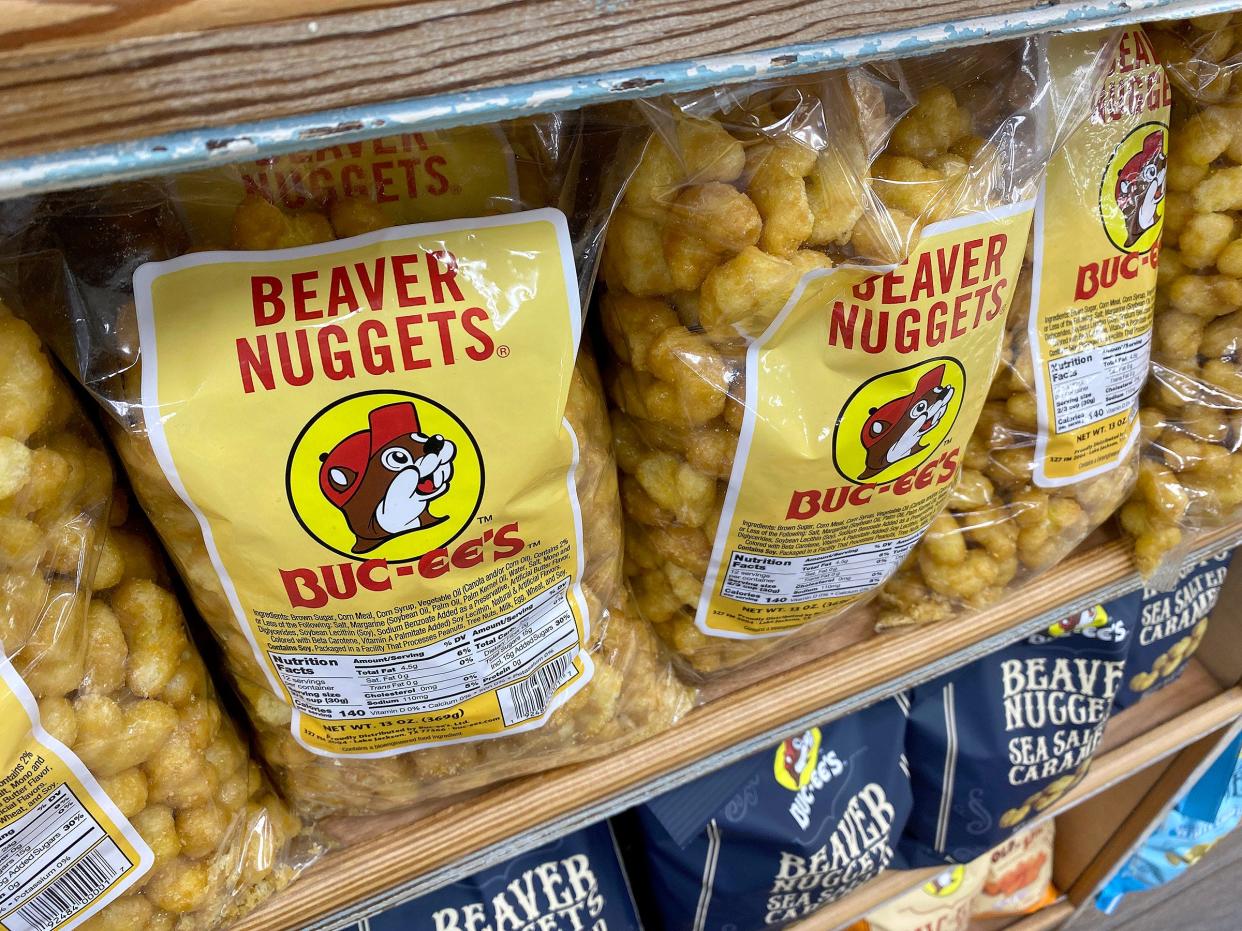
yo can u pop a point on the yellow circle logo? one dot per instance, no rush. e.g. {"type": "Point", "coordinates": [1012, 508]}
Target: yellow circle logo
{"type": "Point", "coordinates": [796, 759]}
{"type": "Point", "coordinates": [384, 475]}
{"type": "Point", "coordinates": [946, 883]}
{"type": "Point", "coordinates": [1091, 617]}
{"type": "Point", "coordinates": [1132, 192]}
{"type": "Point", "coordinates": [895, 421]}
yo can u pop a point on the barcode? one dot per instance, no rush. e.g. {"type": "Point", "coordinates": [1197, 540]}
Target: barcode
{"type": "Point", "coordinates": [75, 889]}
{"type": "Point", "coordinates": [528, 698]}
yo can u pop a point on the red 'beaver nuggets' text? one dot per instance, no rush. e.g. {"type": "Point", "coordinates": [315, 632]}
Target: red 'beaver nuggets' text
{"type": "Point", "coordinates": [407, 342]}
{"type": "Point", "coordinates": [963, 282]}
{"type": "Point", "coordinates": [395, 168]}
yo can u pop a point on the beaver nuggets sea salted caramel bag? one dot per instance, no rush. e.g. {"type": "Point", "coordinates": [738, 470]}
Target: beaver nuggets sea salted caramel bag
{"type": "Point", "coordinates": [996, 743]}
{"type": "Point", "coordinates": [1168, 627]}
{"type": "Point", "coordinates": [375, 452]}
{"type": "Point", "coordinates": [807, 286]}
{"type": "Point", "coordinates": [1054, 453]}
{"type": "Point", "coordinates": [129, 799]}
{"type": "Point", "coordinates": [574, 883]}
{"type": "Point", "coordinates": [769, 840]}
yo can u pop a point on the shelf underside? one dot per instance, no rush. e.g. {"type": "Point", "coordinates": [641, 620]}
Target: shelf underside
{"type": "Point", "coordinates": [99, 91]}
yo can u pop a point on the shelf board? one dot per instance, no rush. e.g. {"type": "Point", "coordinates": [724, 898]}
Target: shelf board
{"type": "Point", "coordinates": [99, 91]}
{"type": "Point", "coordinates": [1045, 919]}
{"type": "Point", "coordinates": [397, 857]}
{"type": "Point", "coordinates": [1156, 728]}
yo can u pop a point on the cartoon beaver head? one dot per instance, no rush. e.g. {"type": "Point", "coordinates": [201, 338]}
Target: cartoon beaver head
{"type": "Point", "coordinates": [796, 754]}
{"type": "Point", "coordinates": [384, 478]}
{"type": "Point", "coordinates": [895, 430]}
{"type": "Point", "coordinates": [1140, 187]}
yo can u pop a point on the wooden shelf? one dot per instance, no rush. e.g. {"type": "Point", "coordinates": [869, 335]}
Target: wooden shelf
{"type": "Point", "coordinates": [158, 86]}
{"type": "Point", "coordinates": [1043, 920]}
{"type": "Point", "coordinates": [397, 857]}
{"type": "Point", "coordinates": [1142, 735]}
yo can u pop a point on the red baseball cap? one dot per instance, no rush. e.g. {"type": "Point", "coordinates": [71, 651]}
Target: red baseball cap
{"type": "Point", "coordinates": [355, 451]}
{"type": "Point", "coordinates": [888, 415]}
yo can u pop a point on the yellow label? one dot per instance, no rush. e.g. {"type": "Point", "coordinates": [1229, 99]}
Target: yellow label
{"type": "Point", "coordinates": [1097, 244]}
{"type": "Point", "coordinates": [371, 435]}
{"type": "Point", "coordinates": [861, 396]}
{"type": "Point", "coordinates": [66, 851]}
{"type": "Point", "coordinates": [413, 177]}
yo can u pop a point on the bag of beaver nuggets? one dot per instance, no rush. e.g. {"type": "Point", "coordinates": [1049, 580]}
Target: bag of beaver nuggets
{"type": "Point", "coordinates": [129, 799]}
{"type": "Point", "coordinates": [807, 286]}
{"type": "Point", "coordinates": [375, 452]}
{"type": "Point", "coordinates": [1054, 453]}
{"type": "Point", "coordinates": [1191, 473]}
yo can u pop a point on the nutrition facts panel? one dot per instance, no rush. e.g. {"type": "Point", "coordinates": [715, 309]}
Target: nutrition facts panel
{"type": "Point", "coordinates": [55, 861]}
{"type": "Point", "coordinates": [1098, 382]}
{"type": "Point", "coordinates": [440, 675]}
{"type": "Point", "coordinates": [762, 580]}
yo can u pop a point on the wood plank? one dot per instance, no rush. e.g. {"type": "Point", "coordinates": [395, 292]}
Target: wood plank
{"type": "Point", "coordinates": [80, 72]}
{"type": "Point", "coordinates": [1043, 920]}
{"type": "Point", "coordinates": [1149, 746]}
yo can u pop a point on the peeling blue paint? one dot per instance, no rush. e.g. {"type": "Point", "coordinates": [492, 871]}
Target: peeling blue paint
{"type": "Point", "coordinates": [185, 150]}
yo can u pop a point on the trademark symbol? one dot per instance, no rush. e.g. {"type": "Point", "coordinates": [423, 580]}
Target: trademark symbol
{"type": "Point", "coordinates": [485, 519]}
{"type": "Point", "coordinates": [534, 543]}
{"type": "Point", "coordinates": [455, 189]}
{"type": "Point", "coordinates": [502, 351]}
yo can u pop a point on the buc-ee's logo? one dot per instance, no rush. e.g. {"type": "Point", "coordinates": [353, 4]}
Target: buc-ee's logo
{"type": "Point", "coordinates": [1132, 192]}
{"type": "Point", "coordinates": [946, 883]}
{"type": "Point", "coordinates": [895, 421]}
{"type": "Point", "coordinates": [384, 475]}
{"type": "Point", "coordinates": [796, 759]}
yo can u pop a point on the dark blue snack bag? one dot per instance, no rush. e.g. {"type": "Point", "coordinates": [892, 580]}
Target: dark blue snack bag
{"type": "Point", "coordinates": [576, 883]}
{"type": "Point", "coordinates": [1169, 627]}
{"type": "Point", "coordinates": [995, 743]}
{"type": "Point", "coordinates": [768, 840]}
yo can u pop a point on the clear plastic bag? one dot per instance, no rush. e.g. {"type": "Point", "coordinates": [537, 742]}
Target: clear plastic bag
{"type": "Point", "coordinates": [574, 705]}
{"type": "Point", "coordinates": [1191, 474]}
{"type": "Point", "coordinates": [752, 204]}
{"type": "Point", "coordinates": [1042, 471]}
{"type": "Point", "coordinates": [98, 639]}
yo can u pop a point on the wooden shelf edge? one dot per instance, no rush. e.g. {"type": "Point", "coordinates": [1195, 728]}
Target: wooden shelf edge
{"type": "Point", "coordinates": [1141, 751]}
{"type": "Point", "coordinates": [1045, 919]}
{"type": "Point", "coordinates": [495, 825]}
{"type": "Point", "coordinates": [98, 92]}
